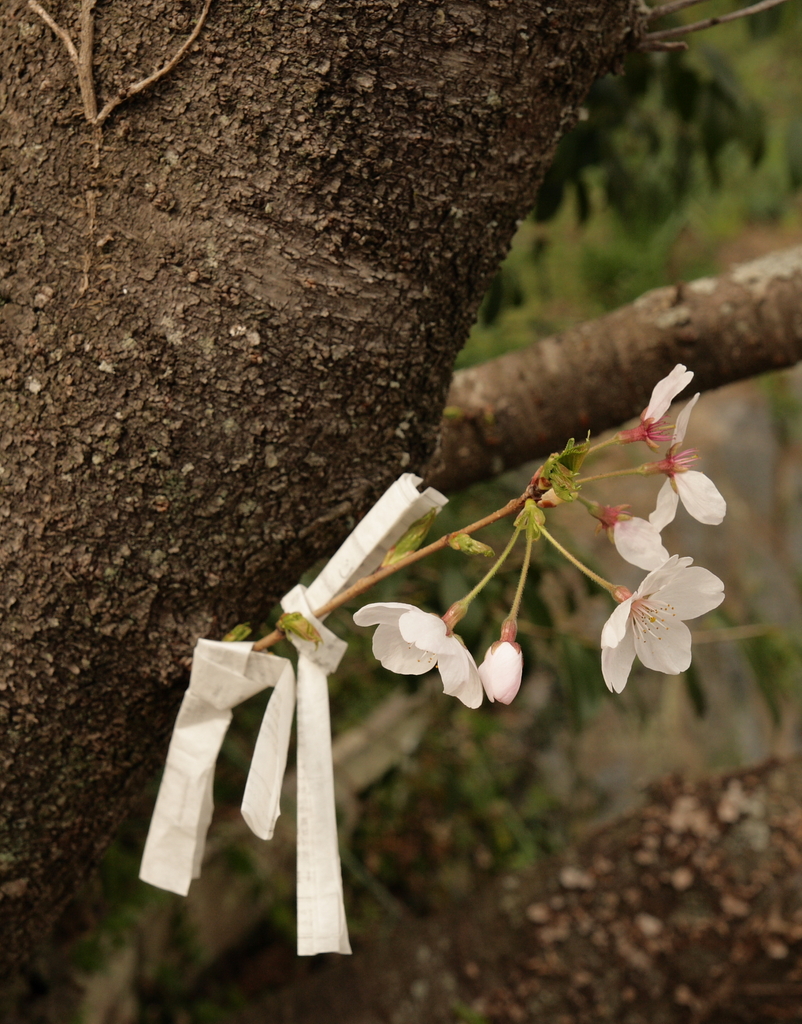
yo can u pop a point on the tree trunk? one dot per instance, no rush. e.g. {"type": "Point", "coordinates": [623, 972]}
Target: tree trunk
{"type": "Point", "coordinates": [229, 322]}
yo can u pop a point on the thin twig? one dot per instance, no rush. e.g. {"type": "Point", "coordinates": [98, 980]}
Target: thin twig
{"type": "Point", "coordinates": [144, 83]}
{"type": "Point", "coordinates": [661, 46]}
{"type": "Point", "coordinates": [86, 79]}
{"type": "Point", "coordinates": [675, 5]}
{"type": "Point", "coordinates": [728, 633]}
{"type": "Point", "coordinates": [63, 35]}
{"type": "Point", "coordinates": [697, 26]}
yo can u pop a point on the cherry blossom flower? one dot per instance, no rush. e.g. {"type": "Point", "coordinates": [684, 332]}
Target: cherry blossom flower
{"type": "Point", "coordinates": [635, 539]}
{"type": "Point", "coordinates": [698, 493]}
{"type": "Point", "coordinates": [652, 427]}
{"type": "Point", "coordinates": [410, 641]}
{"type": "Point", "coordinates": [650, 622]}
{"type": "Point", "coordinates": [501, 671]}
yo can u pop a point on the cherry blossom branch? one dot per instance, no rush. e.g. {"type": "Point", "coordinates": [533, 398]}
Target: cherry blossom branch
{"type": "Point", "coordinates": [697, 26]}
{"type": "Point", "coordinates": [366, 582]}
{"type": "Point", "coordinates": [83, 59]}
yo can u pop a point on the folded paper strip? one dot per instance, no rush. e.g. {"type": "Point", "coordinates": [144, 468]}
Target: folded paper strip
{"type": "Point", "coordinates": [225, 674]}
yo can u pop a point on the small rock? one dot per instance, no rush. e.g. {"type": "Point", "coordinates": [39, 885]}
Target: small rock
{"type": "Point", "coordinates": [648, 925]}
{"type": "Point", "coordinates": [732, 905]}
{"type": "Point", "coordinates": [682, 878]}
{"type": "Point", "coordinates": [576, 878]}
{"type": "Point", "coordinates": [538, 913]}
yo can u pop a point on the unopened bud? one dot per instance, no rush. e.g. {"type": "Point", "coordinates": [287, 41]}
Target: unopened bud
{"type": "Point", "coordinates": [530, 518]}
{"type": "Point", "coordinates": [467, 544]}
{"type": "Point", "coordinates": [501, 671]}
{"type": "Point", "coordinates": [411, 540]}
{"type": "Point", "coordinates": [294, 624]}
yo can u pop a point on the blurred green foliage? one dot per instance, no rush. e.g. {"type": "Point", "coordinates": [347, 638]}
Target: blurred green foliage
{"type": "Point", "coordinates": [668, 161]}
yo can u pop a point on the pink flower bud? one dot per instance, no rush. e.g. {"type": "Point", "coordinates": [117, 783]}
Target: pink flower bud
{"type": "Point", "coordinates": [501, 671]}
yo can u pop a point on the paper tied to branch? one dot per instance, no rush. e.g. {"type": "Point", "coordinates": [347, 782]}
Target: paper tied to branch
{"type": "Point", "coordinates": [322, 926]}
{"type": "Point", "coordinates": [223, 675]}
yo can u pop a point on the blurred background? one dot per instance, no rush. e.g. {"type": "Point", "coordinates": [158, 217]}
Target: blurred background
{"type": "Point", "coordinates": [687, 164]}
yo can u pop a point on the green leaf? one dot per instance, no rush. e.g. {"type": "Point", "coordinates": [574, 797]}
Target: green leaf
{"type": "Point", "coordinates": [411, 540]}
{"type": "Point", "coordinates": [241, 632]}
{"type": "Point", "coordinates": [293, 623]}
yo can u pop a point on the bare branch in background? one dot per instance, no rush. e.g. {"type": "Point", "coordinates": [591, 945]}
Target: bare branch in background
{"type": "Point", "coordinates": [697, 26]}
{"type": "Point", "coordinates": [671, 8]}
{"type": "Point", "coordinates": [524, 404]}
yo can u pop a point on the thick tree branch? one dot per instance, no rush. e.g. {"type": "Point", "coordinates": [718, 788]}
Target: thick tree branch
{"type": "Point", "coordinates": [598, 374]}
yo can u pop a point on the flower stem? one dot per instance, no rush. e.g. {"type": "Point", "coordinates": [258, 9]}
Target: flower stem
{"type": "Point", "coordinates": [516, 604]}
{"type": "Point", "coordinates": [493, 570]}
{"type": "Point", "coordinates": [603, 444]}
{"type": "Point", "coordinates": [638, 471]}
{"type": "Point", "coordinates": [366, 582]}
{"type": "Point", "coordinates": [609, 587]}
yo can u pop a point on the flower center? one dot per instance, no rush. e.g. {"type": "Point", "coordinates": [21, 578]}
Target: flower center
{"type": "Point", "coordinates": [651, 618]}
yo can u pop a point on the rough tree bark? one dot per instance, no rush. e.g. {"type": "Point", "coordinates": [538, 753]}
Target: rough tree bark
{"type": "Point", "coordinates": [229, 321]}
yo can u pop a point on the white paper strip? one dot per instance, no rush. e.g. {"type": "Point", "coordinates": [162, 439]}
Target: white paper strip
{"type": "Point", "coordinates": [321, 913]}
{"type": "Point", "coordinates": [260, 803]}
{"type": "Point", "coordinates": [223, 675]}
{"type": "Point", "coordinates": [321, 910]}
{"type": "Point", "coordinates": [363, 551]}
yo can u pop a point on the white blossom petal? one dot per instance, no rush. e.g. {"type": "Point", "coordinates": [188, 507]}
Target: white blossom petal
{"type": "Point", "coordinates": [617, 663]}
{"type": "Point", "coordinates": [397, 655]}
{"type": "Point", "coordinates": [693, 593]}
{"type": "Point", "coordinates": [615, 627]}
{"type": "Point", "coordinates": [460, 675]}
{"type": "Point", "coordinates": [639, 543]}
{"type": "Point", "coordinates": [665, 391]}
{"type": "Point", "coordinates": [666, 508]}
{"type": "Point", "coordinates": [682, 421]}
{"type": "Point", "coordinates": [381, 611]}
{"type": "Point", "coordinates": [662, 643]}
{"type": "Point", "coordinates": [662, 576]}
{"type": "Point", "coordinates": [425, 630]}
{"type": "Point", "coordinates": [701, 497]}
